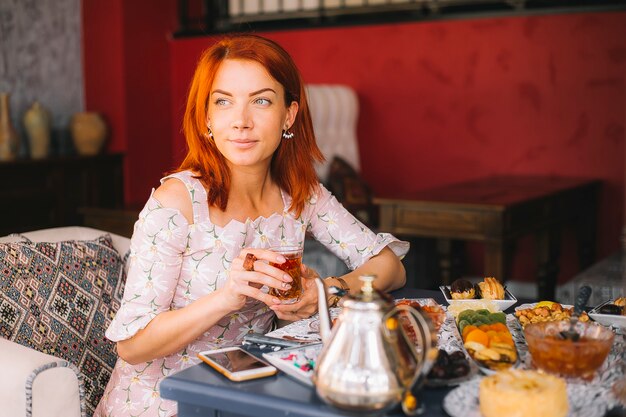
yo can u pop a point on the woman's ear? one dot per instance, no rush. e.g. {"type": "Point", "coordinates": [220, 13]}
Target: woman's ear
{"type": "Point", "coordinates": [292, 111]}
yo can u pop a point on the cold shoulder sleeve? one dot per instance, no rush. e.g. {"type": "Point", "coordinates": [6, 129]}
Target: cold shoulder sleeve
{"type": "Point", "coordinates": [156, 251]}
{"type": "Point", "coordinates": [344, 235]}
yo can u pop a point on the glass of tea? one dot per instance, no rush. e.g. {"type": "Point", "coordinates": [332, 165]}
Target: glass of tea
{"type": "Point", "coordinates": [293, 256]}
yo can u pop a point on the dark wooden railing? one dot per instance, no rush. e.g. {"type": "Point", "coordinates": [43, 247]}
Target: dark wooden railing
{"type": "Point", "coordinates": [205, 17]}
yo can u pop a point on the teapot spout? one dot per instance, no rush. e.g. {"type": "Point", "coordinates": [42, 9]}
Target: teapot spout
{"type": "Point", "coordinates": [323, 310]}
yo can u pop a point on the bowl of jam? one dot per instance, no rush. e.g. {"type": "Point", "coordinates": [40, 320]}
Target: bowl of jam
{"type": "Point", "coordinates": [554, 354]}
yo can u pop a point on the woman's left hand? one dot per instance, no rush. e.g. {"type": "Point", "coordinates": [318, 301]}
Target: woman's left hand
{"type": "Point", "coordinates": [307, 306]}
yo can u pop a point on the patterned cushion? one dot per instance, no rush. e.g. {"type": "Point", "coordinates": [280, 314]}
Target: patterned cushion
{"type": "Point", "coordinates": [59, 298]}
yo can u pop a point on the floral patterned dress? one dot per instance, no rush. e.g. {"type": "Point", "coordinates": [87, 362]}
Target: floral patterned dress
{"type": "Point", "coordinates": [173, 263]}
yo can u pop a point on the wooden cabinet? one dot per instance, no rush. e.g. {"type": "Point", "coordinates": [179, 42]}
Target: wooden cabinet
{"type": "Point", "coordinates": [47, 193]}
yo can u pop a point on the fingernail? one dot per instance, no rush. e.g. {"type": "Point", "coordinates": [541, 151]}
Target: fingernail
{"type": "Point", "coordinates": [287, 277]}
{"type": "Point", "coordinates": [275, 301]}
{"type": "Point", "coordinates": [286, 286]}
{"type": "Point", "coordinates": [281, 259]}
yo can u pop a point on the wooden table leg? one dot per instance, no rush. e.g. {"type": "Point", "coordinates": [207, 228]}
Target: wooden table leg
{"type": "Point", "coordinates": [451, 259]}
{"type": "Point", "coordinates": [494, 260]}
{"type": "Point", "coordinates": [458, 259]}
{"type": "Point", "coordinates": [498, 259]}
{"type": "Point", "coordinates": [444, 255]}
{"type": "Point", "coordinates": [585, 226]}
{"type": "Point", "coordinates": [548, 250]}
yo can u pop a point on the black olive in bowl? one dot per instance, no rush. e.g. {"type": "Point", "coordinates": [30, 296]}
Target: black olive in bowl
{"type": "Point", "coordinates": [611, 309]}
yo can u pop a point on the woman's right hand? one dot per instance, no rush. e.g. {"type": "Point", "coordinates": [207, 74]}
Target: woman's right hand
{"type": "Point", "coordinates": [243, 283]}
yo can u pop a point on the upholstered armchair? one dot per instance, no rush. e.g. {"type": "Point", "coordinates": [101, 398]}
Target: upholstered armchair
{"type": "Point", "coordinates": [43, 310]}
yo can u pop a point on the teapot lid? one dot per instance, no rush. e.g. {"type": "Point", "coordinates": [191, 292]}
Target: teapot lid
{"type": "Point", "coordinates": [369, 298]}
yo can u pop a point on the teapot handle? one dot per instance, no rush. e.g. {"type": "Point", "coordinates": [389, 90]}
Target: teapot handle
{"type": "Point", "coordinates": [425, 334]}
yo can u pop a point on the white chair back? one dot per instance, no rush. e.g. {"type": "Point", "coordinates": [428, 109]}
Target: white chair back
{"type": "Point", "coordinates": [334, 110]}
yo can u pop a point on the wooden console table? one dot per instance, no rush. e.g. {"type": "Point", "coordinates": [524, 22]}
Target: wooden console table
{"type": "Point", "coordinates": [497, 211]}
{"type": "Point", "coordinates": [38, 194]}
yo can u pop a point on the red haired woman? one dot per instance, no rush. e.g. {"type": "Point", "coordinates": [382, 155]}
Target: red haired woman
{"type": "Point", "coordinates": [247, 184]}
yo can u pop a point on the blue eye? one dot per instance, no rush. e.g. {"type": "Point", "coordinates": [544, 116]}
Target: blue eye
{"type": "Point", "coordinates": [263, 101]}
{"type": "Point", "coordinates": [221, 102]}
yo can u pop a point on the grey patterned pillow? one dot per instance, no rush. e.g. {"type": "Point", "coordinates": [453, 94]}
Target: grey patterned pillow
{"type": "Point", "coordinates": [59, 298]}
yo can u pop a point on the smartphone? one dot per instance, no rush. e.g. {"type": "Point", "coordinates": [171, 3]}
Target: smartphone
{"type": "Point", "coordinates": [236, 364]}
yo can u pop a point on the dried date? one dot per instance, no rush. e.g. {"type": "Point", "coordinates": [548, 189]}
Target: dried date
{"type": "Point", "coordinates": [449, 365]}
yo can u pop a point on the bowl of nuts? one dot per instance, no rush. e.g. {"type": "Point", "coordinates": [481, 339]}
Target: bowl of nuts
{"type": "Point", "coordinates": [545, 311]}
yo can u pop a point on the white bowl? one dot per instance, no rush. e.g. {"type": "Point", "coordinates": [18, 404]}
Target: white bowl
{"type": "Point", "coordinates": [607, 319]}
{"type": "Point", "coordinates": [500, 305]}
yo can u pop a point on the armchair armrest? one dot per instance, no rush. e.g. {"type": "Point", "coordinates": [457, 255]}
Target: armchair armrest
{"type": "Point", "coordinates": [34, 384]}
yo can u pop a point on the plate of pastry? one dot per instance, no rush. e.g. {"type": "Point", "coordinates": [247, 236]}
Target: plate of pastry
{"type": "Point", "coordinates": [490, 291]}
{"type": "Point", "coordinates": [610, 313]}
{"type": "Point", "coordinates": [527, 393]}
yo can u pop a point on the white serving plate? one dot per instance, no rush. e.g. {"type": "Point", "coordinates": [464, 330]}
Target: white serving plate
{"type": "Point", "coordinates": [607, 319]}
{"type": "Point", "coordinates": [500, 305]}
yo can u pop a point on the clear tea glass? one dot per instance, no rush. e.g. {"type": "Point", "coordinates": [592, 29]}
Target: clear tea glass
{"type": "Point", "coordinates": [293, 256]}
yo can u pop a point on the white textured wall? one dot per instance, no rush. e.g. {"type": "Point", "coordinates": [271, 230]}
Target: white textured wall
{"type": "Point", "coordinates": [40, 59]}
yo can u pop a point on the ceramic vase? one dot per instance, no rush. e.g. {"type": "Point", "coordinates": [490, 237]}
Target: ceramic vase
{"type": "Point", "coordinates": [37, 125]}
{"type": "Point", "coordinates": [89, 132]}
{"type": "Point", "coordinates": [9, 139]}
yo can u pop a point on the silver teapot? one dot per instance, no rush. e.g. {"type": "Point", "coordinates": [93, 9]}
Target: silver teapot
{"type": "Point", "coordinates": [368, 362]}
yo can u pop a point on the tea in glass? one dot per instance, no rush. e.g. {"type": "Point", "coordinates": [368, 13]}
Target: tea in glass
{"type": "Point", "coordinates": [293, 256]}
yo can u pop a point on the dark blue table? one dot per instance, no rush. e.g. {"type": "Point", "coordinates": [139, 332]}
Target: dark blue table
{"type": "Point", "coordinates": [200, 391]}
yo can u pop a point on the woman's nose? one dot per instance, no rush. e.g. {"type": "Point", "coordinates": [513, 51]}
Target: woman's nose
{"type": "Point", "coordinates": [241, 118]}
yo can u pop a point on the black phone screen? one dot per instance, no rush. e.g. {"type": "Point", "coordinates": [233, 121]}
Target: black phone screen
{"type": "Point", "coordinates": [236, 360]}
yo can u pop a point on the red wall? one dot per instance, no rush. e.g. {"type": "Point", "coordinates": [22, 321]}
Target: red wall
{"type": "Point", "coordinates": [103, 66]}
{"type": "Point", "coordinates": [127, 78]}
{"type": "Point", "coordinates": [440, 102]}
{"type": "Point", "coordinates": [452, 100]}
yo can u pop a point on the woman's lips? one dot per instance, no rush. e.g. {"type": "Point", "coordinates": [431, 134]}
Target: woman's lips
{"type": "Point", "coordinates": [243, 143]}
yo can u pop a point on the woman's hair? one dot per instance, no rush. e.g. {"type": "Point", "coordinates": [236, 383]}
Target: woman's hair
{"type": "Point", "coordinates": [292, 163]}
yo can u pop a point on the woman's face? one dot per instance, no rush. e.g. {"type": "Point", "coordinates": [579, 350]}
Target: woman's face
{"type": "Point", "coordinates": [247, 113]}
